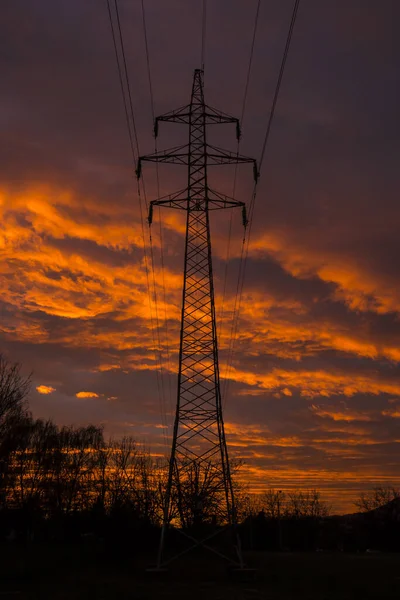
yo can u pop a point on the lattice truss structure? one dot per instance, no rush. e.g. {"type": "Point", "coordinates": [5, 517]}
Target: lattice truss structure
{"type": "Point", "coordinates": [200, 485]}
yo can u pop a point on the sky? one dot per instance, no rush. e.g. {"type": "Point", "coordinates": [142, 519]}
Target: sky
{"type": "Point", "coordinates": [313, 395]}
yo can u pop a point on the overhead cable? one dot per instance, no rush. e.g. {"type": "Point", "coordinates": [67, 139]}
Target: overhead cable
{"type": "Point", "coordinates": [254, 195]}
{"type": "Point", "coordinates": [203, 34]}
{"type": "Point", "coordinates": [134, 144]}
{"type": "Point", "coordinates": [242, 114]}
{"type": "Point", "coordinates": [150, 80]}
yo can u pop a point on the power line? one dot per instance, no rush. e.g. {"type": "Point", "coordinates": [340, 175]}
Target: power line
{"type": "Point", "coordinates": [127, 77]}
{"type": "Point", "coordinates": [160, 224]}
{"type": "Point", "coordinates": [165, 309]}
{"type": "Point", "coordinates": [163, 415]}
{"type": "Point", "coordinates": [250, 61]}
{"type": "Point", "coordinates": [203, 34]}
{"type": "Point", "coordinates": [280, 77]}
{"type": "Point", "coordinates": [246, 88]}
{"type": "Point", "coordinates": [254, 195]}
{"type": "Point", "coordinates": [148, 61]}
{"type": "Point", "coordinates": [133, 137]}
{"type": "Point", "coordinates": [121, 83]}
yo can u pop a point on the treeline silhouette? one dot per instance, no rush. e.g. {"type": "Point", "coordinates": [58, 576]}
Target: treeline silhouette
{"type": "Point", "coordinates": [58, 483]}
{"type": "Point", "coordinates": [306, 525]}
{"type": "Point", "coordinates": [68, 484]}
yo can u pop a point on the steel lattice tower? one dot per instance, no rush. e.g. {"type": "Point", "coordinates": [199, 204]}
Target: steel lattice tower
{"type": "Point", "coordinates": [199, 495]}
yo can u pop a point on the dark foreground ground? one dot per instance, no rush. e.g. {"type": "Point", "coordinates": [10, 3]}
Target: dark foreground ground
{"type": "Point", "coordinates": [83, 572]}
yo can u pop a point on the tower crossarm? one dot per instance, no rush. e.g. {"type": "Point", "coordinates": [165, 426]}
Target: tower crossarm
{"type": "Point", "coordinates": [176, 156]}
{"type": "Point", "coordinates": [179, 115]}
{"type": "Point", "coordinates": [179, 200]}
{"type": "Point", "coordinates": [220, 156]}
{"type": "Point", "coordinates": [217, 117]}
{"type": "Point", "coordinates": [213, 155]}
{"type": "Point", "coordinates": [179, 155]}
{"type": "Point", "coordinates": [211, 116]}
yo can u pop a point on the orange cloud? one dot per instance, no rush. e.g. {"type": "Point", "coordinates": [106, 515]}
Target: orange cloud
{"type": "Point", "coordinates": [359, 287]}
{"type": "Point", "coordinates": [294, 332]}
{"type": "Point", "coordinates": [65, 283]}
{"type": "Point", "coordinates": [337, 415]}
{"type": "Point", "coordinates": [108, 367]}
{"type": "Point", "coordinates": [392, 412]}
{"type": "Point", "coordinates": [87, 395]}
{"type": "Point", "coordinates": [61, 213]}
{"type": "Point", "coordinates": [45, 389]}
{"type": "Point", "coordinates": [318, 382]}
{"type": "Point", "coordinates": [40, 276]}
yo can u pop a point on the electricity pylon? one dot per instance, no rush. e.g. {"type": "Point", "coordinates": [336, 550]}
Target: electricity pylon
{"type": "Point", "coordinates": [199, 495]}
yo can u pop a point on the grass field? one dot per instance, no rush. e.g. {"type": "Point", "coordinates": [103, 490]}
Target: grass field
{"type": "Point", "coordinates": [61, 572]}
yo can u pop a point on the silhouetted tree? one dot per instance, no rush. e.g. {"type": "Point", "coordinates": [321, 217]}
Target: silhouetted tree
{"type": "Point", "coordinates": [202, 494]}
{"type": "Point", "coordinates": [14, 389]}
{"type": "Point", "coordinates": [306, 503]}
{"type": "Point", "coordinates": [380, 517]}
{"type": "Point", "coordinates": [377, 497]}
{"type": "Point", "coordinates": [274, 503]}
{"type": "Point", "coordinates": [69, 481]}
{"type": "Point", "coordinates": [31, 462]}
{"type": "Point", "coordinates": [75, 458]}
{"type": "Point", "coordinates": [248, 504]}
